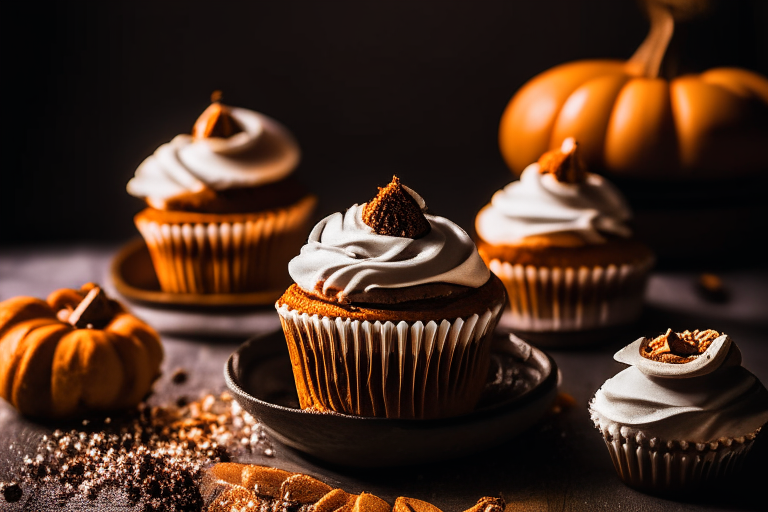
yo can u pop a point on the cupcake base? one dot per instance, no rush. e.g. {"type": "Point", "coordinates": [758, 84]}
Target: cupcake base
{"type": "Point", "coordinates": [421, 362]}
{"type": "Point", "coordinates": [671, 467]}
{"type": "Point", "coordinates": [224, 253]}
{"type": "Point", "coordinates": [386, 369]}
{"type": "Point", "coordinates": [570, 300]}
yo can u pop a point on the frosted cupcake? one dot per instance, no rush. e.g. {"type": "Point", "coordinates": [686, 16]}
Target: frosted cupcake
{"type": "Point", "coordinates": [224, 214]}
{"type": "Point", "coordinates": [392, 312]}
{"type": "Point", "coordinates": [684, 413]}
{"type": "Point", "coordinates": [558, 238]}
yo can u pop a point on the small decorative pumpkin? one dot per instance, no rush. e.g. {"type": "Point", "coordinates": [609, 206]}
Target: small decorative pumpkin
{"type": "Point", "coordinates": [76, 352]}
{"type": "Point", "coordinates": [631, 122]}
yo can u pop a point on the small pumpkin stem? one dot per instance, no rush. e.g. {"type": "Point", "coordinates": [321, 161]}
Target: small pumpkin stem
{"type": "Point", "coordinates": [647, 58]}
{"type": "Point", "coordinates": [94, 311]}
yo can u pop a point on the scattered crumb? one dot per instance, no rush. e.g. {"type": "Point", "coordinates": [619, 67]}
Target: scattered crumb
{"type": "Point", "coordinates": [711, 288]}
{"type": "Point", "coordinates": [155, 455]}
{"type": "Point", "coordinates": [179, 376]}
{"type": "Point", "coordinates": [11, 491]}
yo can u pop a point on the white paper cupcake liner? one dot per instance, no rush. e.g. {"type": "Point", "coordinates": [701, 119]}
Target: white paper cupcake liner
{"type": "Point", "coordinates": [227, 257]}
{"type": "Point", "coordinates": [670, 466]}
{"type": "Point", "coordinates": [386, 369]}
{"type": "Point", "coordinates": [543, 299]}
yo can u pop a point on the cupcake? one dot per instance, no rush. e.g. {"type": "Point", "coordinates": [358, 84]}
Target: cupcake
{"type": "Point", "coordinates": [391, 313]}
{"type": "Point", "coordinates": [224, 213]}
{"type": "Point", "coordinates": [684, 413]}
{"type": "Point", "coordinates": [558, 238]}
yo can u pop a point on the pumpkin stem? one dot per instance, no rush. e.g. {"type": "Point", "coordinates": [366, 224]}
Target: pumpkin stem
{"type": "Point", "coordinates": [94, 311]}
{"type": "Point", "coordinates": [647, 58]}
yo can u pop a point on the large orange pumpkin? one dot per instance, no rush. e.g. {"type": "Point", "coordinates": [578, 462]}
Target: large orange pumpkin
{"type": "Point", "coordinates": [75, 352]}
{"type": "Point", "coordinates": [632, 123]}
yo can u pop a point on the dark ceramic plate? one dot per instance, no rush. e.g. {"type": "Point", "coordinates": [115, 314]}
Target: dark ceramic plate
{"type": "Point", "coordinates": [521, 386]}
{"type": "Point", "coordinates": [134, 277]}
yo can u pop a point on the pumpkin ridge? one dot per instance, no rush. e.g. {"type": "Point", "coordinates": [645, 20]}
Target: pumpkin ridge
{"type": "Point", "coordinates": [135, 364]}
{"type": "Point", "coordinates": [19, 309]}
{"type": "Point", "coordinates": [103, 376]}
{"type": "Point", "coordinates": [32, 380]}
{"type": "Point", "coordinates": [740, 82]}
{"type": "Point", "coordinates": [641, 132]}
{"type": "Point", "coordinates": [525, 108]}
{"type": "Point", "coordinates": [127, 325]}
{"type": "Point", "coordinates": [66, 371]}
{"type": "Point", "coordinates": [12, 347]}
{"type": "Point", "coordinates": [578, 117]}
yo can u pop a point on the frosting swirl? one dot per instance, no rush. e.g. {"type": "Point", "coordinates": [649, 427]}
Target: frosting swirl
{"type": "Point", "coordinates": [725, 403]}
{"type": "Point", "coordinates": [539, 204]}
{"type": "Point", "coordinates": [263, 152]}
{"type": "Point", "coordinates": [344, 255]}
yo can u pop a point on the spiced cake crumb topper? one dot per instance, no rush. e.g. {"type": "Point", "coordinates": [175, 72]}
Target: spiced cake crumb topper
{"type": "Point", "coordinates": [680, 354]}
{"type": "Point", "coordinates": [564, 163]}
{"type": "Point", "coordinates": [216, 121]}
{"type": "Point", "coordinates": [678, 347]}
{"type": "Point", "coordinates": [684, 414]}
{"type": "Point", "coordinates": [396, 212]}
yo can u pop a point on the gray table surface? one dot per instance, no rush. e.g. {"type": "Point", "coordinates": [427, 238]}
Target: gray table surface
{"type": "Point", "coordinates": [560, 464]}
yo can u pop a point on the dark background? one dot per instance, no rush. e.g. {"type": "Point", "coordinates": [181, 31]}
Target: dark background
{"type": "Point", "coordinates": [369, 87]}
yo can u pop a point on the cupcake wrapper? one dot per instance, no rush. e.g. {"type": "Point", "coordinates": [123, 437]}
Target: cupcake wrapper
{"type": "Point", "coordinates": [545, 299]}
{"type": "Point", "coordinates": [670, 466]}
{"type": "Point", "coordinates": [386, 369]}
{"type": "Point", "coordinates": [227, 257]}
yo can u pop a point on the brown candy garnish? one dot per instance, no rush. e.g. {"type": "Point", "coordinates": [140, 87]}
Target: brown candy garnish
{"type": "Point", "coordinates": [216, 121]}
{"type": "Point", "coordinates": [678, 347]}
{"type": "Point", "coordinates": [565, 163]}
{"type": "Point", "coordinates": [394, 212]}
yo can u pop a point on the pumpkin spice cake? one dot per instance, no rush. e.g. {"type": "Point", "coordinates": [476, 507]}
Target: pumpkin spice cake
{"type": "Point", "coordinates": [559, 240]}
{"type": "Point", "coordinates": [224, 212]}
{"type": "Point", "coordinates": [392, 312]}
{"type": "Point", "coordinates": [683, 414]}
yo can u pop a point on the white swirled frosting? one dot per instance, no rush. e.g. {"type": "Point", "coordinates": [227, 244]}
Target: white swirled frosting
{"type": "Point", "coordinates": [727, 403]}
{"type": "Point", "coordinates": [344, 255]}
{"type": "Point", "coordinates": [264, 152]}
{"type": "Point", "coordinates": [539, 204]}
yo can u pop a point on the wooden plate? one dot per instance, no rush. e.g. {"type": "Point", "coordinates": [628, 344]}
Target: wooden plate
{"type": "Point", "coordinates": [134, 277]}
